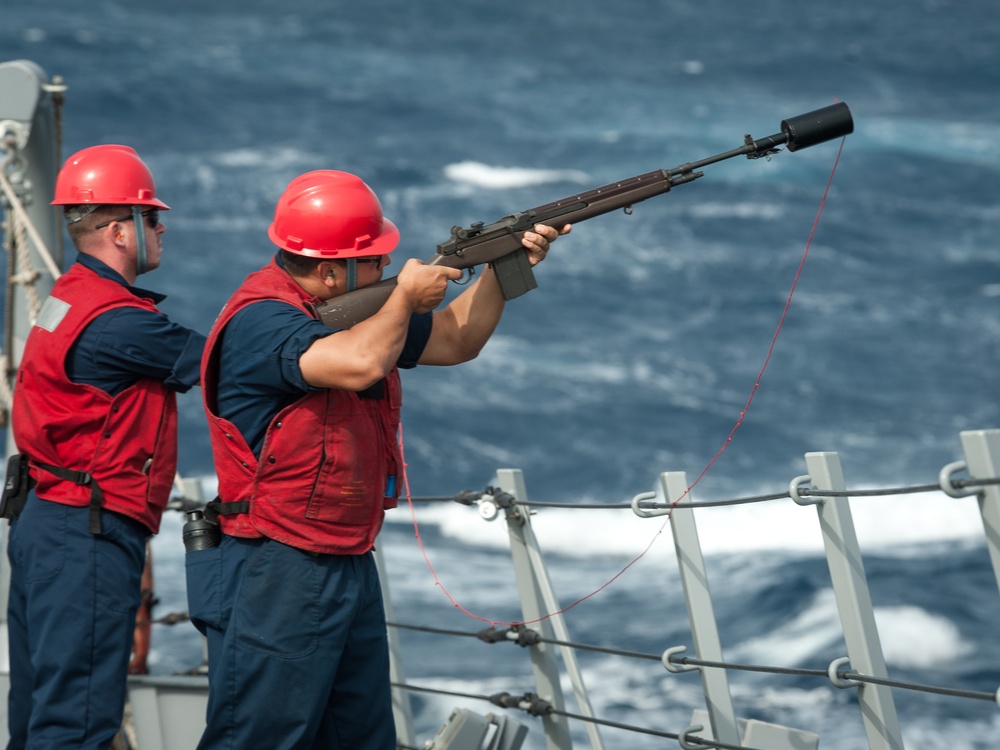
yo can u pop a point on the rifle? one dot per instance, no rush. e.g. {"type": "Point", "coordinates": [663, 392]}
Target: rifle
{"type": "Point", "coordinates": [499, 243]}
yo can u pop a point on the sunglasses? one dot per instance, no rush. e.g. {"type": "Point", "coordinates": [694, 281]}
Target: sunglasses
{"type": "Point", "coordinates": [152, 219]}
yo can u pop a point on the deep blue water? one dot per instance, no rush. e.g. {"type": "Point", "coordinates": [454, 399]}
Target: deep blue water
{"type": "Point", "coordinates": [640, 348]}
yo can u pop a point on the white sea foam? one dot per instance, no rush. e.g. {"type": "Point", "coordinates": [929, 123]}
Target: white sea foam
{"type": "Point", "coordinates": [913, 637]}
{"type": "Point", "coordinates": [814, 630]}
{"type": "Point", "coordinates": [739, 210]}
{"type": "Point", "coordinates": [573, 533]}
{"type": "Point", "coordinates": [482, 175]}
{"type": "Point", "coordinates": [271, 158]}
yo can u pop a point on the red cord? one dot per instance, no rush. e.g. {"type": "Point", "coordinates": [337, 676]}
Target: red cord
{"type": "Point", "coordinates": [774, 339]}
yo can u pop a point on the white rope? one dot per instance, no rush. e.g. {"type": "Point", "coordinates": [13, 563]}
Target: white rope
{"type": "Point", "coordinates": [20, 227]}
{"type": "Point", "coordinates": [23, 217]}
{"type": "Point", "coordinates": [6, 393]}
{"type": "Point", "coordinates": [28, 276]}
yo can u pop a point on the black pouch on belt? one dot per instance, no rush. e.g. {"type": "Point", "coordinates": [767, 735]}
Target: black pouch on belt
{"type": "Point", "coordinates": [15, 487]}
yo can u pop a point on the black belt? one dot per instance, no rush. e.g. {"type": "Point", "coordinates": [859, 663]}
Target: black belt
{"type": "Point", "coordinates": [218, 508]}
{"type": "Point", "coordinates": [83, 479]}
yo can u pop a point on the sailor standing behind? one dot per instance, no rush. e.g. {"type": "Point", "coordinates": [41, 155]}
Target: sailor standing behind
{"type": "Point", "coordinates": [95, 420]}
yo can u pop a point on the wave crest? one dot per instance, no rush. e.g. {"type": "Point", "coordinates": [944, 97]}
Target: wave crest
{"type": "Point", "coordinates": [482, 175]}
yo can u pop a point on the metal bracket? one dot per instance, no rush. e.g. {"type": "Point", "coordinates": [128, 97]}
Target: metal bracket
{"type": "Point", "coordinates": [491, 502]}
{"type": "Point", "coordinates": [14, 134]}
{"type": "Point", "coordinates": [793, 491]}
{"type": "Point", "coordinates": [647, 512]}
{"type": "Point", "coordinates": [684, 742]}
{"type": "Point", "coordinates": [836, 679]}
{"type": "Point", "coordinates": [676, 668]}
{"type": "Point", "coordinates": [945, 476]}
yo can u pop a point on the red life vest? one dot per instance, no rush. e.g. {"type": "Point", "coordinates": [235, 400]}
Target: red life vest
{"type": "Point", "coordinates": [126, 443]}
{"type": "Point", "coordinates": [328, 463]}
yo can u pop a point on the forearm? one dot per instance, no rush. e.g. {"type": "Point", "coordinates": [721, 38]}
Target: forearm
{"type": "Point", "coordinates": [355, 358]}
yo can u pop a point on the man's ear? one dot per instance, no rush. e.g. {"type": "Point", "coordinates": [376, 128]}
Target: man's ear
{"type": "Point", "coordinates": [327, 273]}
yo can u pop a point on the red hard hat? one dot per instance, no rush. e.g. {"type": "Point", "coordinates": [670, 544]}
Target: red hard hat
{"type": "Point", "coordinates": [109, 175]}
{"type": "Point", "coordinates": [330, 214]}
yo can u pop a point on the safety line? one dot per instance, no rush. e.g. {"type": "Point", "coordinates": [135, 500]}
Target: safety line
{"type": "Point", "coordinates": [803, 492]}
{"type": "Point", "coordinates": [858, 677]}
{"type": "Point", "coordinates": [550, 710]}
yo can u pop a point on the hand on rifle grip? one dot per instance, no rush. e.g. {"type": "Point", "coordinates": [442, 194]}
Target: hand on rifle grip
{"type": "Point", "coordinates": [425, 285]}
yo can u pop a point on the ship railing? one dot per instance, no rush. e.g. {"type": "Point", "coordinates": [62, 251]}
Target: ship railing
{"type": "Point", "coordinates": [862, 669]}
{"type": "Point", "coordinates": [716, 725]}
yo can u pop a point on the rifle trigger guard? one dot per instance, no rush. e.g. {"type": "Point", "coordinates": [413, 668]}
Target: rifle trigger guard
{"type": "Point", "coordinates": [467, 279]}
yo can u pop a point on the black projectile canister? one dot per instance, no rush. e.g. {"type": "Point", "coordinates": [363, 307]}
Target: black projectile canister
{"type": "Point", "coordinates": [199, 533]}
{"type": "Point", "coordinates": [818, 126]}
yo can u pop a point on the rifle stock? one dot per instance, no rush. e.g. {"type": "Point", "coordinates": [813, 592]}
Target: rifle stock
{"type": "Point", "coordinates": [499, 243]}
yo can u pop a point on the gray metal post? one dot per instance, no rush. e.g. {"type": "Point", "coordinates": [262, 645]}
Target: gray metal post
{"type": "Point", "coordinates": [701, 613]}
{"type": "Point", "coordinates": [551, 604]}
{"type": "Point", "coordinates": [850, 586]}
{"type": "Point", "coordinates": [401, 709]}
{"type": "Point", "coordinates": [982, 456]}
{"type": "Point", "coordinates": [533, 607]}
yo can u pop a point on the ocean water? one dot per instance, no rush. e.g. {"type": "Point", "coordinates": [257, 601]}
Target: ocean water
{"type": "Point", "coordinates": [648, 333]}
